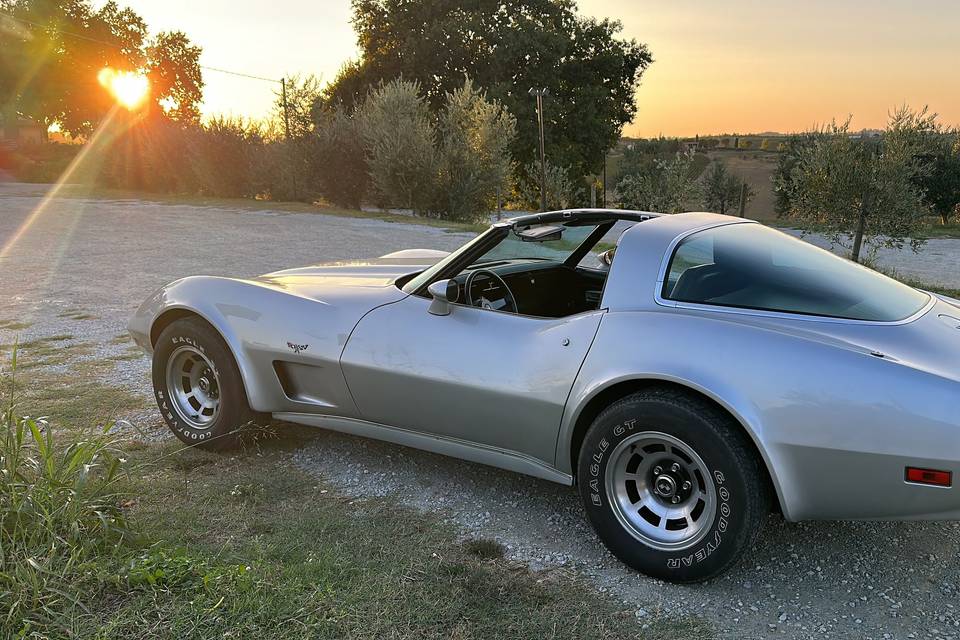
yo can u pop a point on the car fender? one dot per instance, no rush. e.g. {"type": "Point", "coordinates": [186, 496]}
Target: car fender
{"type": "Point", "coordinates": [808, 402]}
{"type": "Point", "coordinates": [266, 326]}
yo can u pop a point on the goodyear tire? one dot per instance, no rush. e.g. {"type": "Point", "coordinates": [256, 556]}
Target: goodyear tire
{"type": "Point", "coordinates": [198, 387]}
{"type": "Point", "coordinates": [671, 485]}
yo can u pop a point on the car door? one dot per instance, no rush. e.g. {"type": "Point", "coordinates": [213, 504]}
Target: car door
{"type": "Point", "coordinates": [488, 377]}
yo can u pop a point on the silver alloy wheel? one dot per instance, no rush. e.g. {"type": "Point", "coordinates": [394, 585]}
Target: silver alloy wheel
{"type": "Point", "coordinates": [193, 386]}
{"type": "Point", "coordinates": [661, 491]}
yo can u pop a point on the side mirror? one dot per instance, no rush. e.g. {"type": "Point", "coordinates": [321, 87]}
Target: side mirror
{"type": "Point", "coordinates": [444, 293]}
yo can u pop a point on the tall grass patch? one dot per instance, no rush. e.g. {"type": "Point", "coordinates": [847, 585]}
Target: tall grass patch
{"type": "Point", "coordinates": [59, 510]}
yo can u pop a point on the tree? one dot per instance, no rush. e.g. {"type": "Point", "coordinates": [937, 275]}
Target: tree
{"type": "Point", "coordinates": [721, 189]}
{"type": "Point", "coordinates": [173, 67]}
{"type": "Point", "coordinates": [474, 153]}
{"type": "Point", "coordinates": [861, 190]}
{"type": "Point", "coordinates": [942, 183]}
{"type": "Point", "coordinates": [560, 188]}
{"type": "Point", "coordinates": [341, 158]}
{"type": "Point", "coordinates": [399, 135]}
{"type": "Point", "coordinates": [506, 47]}
{"type": "Point", "coordinates": [665, 189]}
{"type": "Point", "coordinates": [51, 59]}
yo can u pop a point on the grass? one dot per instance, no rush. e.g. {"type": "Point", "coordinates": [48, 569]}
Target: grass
{"type": "Point", "coordinates": [77, 315]}
{"type": "Point", "coordinates": [14, 325]}
{"type": "Point", "coordinates": [245, 545]}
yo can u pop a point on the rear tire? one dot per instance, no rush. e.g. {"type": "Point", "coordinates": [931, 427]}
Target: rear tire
{"type": "Point", "coordinates": [198, 386]}
{"type": "Point", "coordinates": [671, 485]}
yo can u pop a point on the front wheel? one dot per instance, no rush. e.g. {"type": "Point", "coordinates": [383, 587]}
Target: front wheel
{"type": "Point", "coordinates": [198, 386]}
{"type": "Point", "coordinates": [671, 485]}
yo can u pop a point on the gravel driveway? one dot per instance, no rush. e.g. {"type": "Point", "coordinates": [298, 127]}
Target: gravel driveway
{"type": "Point", "coordinates": [103, 257]}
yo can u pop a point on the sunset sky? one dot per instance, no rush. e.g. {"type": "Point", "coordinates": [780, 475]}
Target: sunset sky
{"type": "Point", "coordinates": [732, 66]}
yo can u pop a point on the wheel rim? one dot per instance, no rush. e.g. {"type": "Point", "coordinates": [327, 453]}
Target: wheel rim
{"type": "Point", "coordinates": [661, 491]}
{"type": "Point", "coordinates": [193, 386]}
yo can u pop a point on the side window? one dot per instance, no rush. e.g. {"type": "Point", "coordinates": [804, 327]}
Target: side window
{"type": "Point", "coordinates": [696, 251]}
{"type": "Point", "coordinates": [749, 266]}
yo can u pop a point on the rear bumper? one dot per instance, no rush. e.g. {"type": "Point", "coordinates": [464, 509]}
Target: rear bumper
{"type": "Point", "coordinates": [855, 485]}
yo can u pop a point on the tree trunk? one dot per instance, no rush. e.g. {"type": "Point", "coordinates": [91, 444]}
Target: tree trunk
{"type": "Point", "coordinates": [944, 217]}
{"type": "Point", "coordinates": [861, 228]}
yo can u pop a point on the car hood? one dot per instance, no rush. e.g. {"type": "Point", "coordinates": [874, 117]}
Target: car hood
{"type": "Point", "coordinates": [373, 279]}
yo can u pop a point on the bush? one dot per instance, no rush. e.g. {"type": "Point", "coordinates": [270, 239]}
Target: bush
{"type": "Point", "coordinates": [342, 170]}
{"type": "Point", "coordinates": [666, 188]}
{"type": "Point", "coordinates": [561, 190]}
{"type": "Point", "coordinates": [224, 157]}
{"type": "Point", "coordinates": [58, 510]}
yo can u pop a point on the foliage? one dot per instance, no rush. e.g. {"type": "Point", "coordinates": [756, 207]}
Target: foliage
{"type": "Point", "coordinates": [399, 134]}
{"type": "Point", "coordinates": [303, 93]}
{"type": "Point", "coordinates": [561, 190]}
{"type": "Point", "coordinates": [473, 154]}
{"type": "Point", "coordinates": [941, 184]}
{"type": "Point", "coordinates": [861, 190]}
{"type": "Point", "coordinates": [721, 189]}
{"type": "Point", "coordinates": [665, 188]}
{"type": "Point", "coordinates": [224, 157]}
{"type": "Point", "coordinates": [59, 508]}
{"type": "Point", "coordinates": [342, 170]}
{"type": "Point", "coordinates": [506, 48]}
{"type": "Point", "coordinates": [55, 49]}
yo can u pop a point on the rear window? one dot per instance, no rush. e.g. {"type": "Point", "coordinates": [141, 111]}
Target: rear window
{"type": "Point", "coordinates": [750, 266]}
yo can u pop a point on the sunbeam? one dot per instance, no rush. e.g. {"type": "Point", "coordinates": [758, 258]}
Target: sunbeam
{"type": "Point", "coordinates": [101, 137]}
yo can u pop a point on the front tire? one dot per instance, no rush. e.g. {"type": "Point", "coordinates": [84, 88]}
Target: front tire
{"type": "Point", "coordinates": [198, 386]}
{"type": "Point", "coordinates": [671, 485]}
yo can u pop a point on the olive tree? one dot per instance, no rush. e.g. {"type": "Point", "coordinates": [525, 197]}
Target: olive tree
{"type": "Point", "coordinates": [859, 189]}
{"type": "Point", "coordinates": [665, 188]}
{"type": "Point", "coordinates": [561, 191]}
{"type": "Point", "coordinates": [341, 159]}
{"type": "Point", "coordinates": [398, 133]}
{"type": "Point", "coordinates": [473, 156]}
{"type": "Point", "coordinates": [721, 188]}
{"type": "Point", "coordinates": [942, 182]}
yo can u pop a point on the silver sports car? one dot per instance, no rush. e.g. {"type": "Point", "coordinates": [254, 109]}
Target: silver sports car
{"type": "Point", "coordinates": [705, 370]}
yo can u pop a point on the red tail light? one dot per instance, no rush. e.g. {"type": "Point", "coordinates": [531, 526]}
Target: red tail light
{"type": "Point", "coordinates": [929, 476]}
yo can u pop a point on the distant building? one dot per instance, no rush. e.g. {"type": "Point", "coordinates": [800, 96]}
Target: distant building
{"type": "Point", "coordinates": [690, 146]}
{"type": "Point", "coordinates": [17, 131]}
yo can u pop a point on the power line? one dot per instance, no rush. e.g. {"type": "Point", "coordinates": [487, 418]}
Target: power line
{"type": "Point", "coordinates": [116, 46]}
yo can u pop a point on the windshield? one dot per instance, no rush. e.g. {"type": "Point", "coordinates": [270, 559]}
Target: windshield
{"type": "Point", "coordinates": [513, 248]}
{"type": "Point", "coordinates": [754, 267]}
{"type": "Point", "coordinates": [509, 247]}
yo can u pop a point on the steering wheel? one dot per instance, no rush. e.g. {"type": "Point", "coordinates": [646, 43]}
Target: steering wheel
{"type": "Point", "coordinates": [496, 295]}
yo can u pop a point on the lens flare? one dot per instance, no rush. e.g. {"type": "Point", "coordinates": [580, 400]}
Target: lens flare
{"type": "Point", "coordinates": [129, 89]}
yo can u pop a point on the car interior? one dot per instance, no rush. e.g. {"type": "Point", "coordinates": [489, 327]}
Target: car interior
{"type": "Point", "coordinates": [542, 265]}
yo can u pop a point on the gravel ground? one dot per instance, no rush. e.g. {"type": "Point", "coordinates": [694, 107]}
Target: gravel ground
{"type": "Point", "coordinates": [100, 258]}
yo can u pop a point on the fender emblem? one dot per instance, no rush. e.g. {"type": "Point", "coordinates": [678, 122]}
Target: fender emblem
{"type": "Point", "coordinates": [297, 348]}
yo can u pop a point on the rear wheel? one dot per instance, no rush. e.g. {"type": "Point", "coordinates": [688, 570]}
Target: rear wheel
{"type": "Point", "coordinates": [671, 485]}
{"type": "Point", "coordinates": [198, 386]}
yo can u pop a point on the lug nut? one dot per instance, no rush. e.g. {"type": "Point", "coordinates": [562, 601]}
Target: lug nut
{"type": "Point", "coordinates": [657, 470]}
{"type": "Point", "coordinates": [675, 500]}
{"type": "Point", "coordinates": [687, 485]}
{"type": "Point", "coordinates": [675, 467]}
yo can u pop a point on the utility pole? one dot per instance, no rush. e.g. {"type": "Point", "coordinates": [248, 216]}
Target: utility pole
{"type": "Point", "coordinates": [603, 196]}
{"type": "Point", "coordinates": [540, 94]}
{"type": "Point", "coordinates": [286, 131]}
{"type": "Point", "coordinates": [743, 198]}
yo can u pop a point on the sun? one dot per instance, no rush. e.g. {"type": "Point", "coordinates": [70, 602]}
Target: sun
{"type": "Point", "coordinates": [129, 89]}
